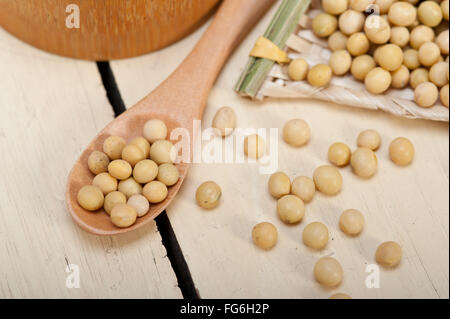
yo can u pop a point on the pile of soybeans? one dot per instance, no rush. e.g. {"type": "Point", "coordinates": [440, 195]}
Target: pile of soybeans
{"type": "Point", "coordinates": [385, 44]}
{"type": "Point", "coordinates": [129, 177]}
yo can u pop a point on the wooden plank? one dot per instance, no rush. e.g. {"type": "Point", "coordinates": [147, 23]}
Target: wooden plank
{"type": "Point", "coordinates": [139, 76]}
{"type": "Point", "coordinates": [409, 205]}
{"type": "Point", "coordinates": [51, 108]}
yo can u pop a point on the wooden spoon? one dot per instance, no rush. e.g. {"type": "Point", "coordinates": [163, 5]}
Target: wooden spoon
{"type": "Point", "coordinates": [178, 101]}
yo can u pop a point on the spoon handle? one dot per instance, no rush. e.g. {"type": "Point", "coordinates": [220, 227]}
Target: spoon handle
{"type": "Point", "coordinates": [194, 78]}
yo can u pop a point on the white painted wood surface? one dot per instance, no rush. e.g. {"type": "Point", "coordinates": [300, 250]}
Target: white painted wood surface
{"type": "Point", "coordinates": [409, 205]}
{"type": "Point", "coordinates": [51, 108]}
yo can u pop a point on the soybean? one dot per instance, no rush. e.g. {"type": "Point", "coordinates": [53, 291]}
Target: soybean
{"type": "Point", "coordinates": [370, 139]}
{"type": "Point", "coordinates": [155, 192]}
{"type": "Point", "coordinates": [328, 180]}
{"type": "Point", "coordinates": [113, 147]}
{"type": "Point", "coordinates": [351, 222]}
{"type": "Point", "coordinates": [364, 162]}
{"type": "Point", "coordinates": [129, 187]}
{"type": "Point", "coordinates": [90, 197]}
{"type": "Point", "coordinates": [279, 184]}
{"type": "Point", "coordinates": [339, 154]}
{"type": "Point", "coordinates": [315, 235]}
{"type": "Point", "coordinates": [296, 132]}
{"type": "Point", "coordinates": [208, 195]}
{"type": "Point", "coordinates": [401, 151]}
{"type": "Point", "coordinates": [291, 209]}
{"type": "Point", "coordinates": [155, 130]}
{"type": "Point", "coordinates": [140, 204]}
{"type": "Point", "coordinates": [265, 235]}
{"type": "Point", "coordinates": [304, 188]}
{"type": "Point", "coordinates": [224, 121]}
{"type": "Point", "coordinates": [328, 272]}
{"type": "Point", "coordinates": [98, 162]}
{"type": "Point", "coordinates": [389, 254]}
{"type": "Point", "coordinates": [123, 215]}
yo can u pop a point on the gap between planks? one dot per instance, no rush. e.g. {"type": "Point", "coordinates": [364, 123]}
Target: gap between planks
{"type": "Point", "coordinates": [169, 239]}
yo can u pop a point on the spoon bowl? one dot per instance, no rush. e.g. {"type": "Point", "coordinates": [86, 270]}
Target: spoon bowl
{"type": "Point", "coordinates": [99, 222]}
{"type": "Point", "coordinates": [178, 101]}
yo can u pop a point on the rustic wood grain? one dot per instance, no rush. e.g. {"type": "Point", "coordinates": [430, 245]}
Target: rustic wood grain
{"type": "Point", "coordinates": [409, 205]}
{"type": "Point", "coordinates": [51, 108]}
{"type": "Point", "coordinates": [109, 29]}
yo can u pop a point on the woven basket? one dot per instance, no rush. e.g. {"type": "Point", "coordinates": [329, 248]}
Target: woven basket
{"type": "Point", "coordinates": [343, 90]}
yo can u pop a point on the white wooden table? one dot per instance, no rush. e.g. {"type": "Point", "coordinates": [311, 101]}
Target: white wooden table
{"type": "Point", "coordinates": [51, 108]}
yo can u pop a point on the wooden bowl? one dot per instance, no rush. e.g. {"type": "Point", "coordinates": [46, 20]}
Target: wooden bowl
{"type": "Point", "coordinates": [108, 29]}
